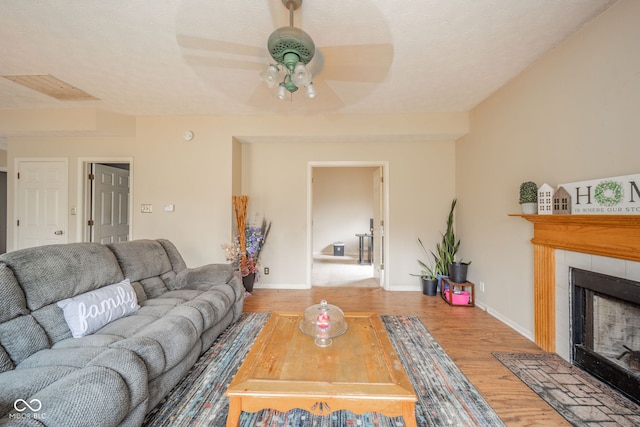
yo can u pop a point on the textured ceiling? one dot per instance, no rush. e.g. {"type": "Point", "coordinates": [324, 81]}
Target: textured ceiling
{"type": "Point", "coordinates": [178, 57]}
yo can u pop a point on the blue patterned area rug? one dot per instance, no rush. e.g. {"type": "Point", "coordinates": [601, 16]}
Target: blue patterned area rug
{"type": "Point", "coordinates": [445, 395]}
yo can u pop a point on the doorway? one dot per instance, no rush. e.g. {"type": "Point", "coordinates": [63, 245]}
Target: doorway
{"type": "Point", "coordinates": [106, 212]}
{"type": "Point", "coordinates": [41, 202]}
{"type": "Point", "coordinates": [346, 205]}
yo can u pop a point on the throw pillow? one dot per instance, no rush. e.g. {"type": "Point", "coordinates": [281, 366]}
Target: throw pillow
{"type": "Point", "coordinates": [88, 312]}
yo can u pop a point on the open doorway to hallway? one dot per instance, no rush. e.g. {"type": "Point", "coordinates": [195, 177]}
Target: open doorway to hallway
{"type": "Point", "coordinates": [345, 201]}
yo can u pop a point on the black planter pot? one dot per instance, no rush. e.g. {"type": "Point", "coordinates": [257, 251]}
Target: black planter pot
{"type": "Point", "coordinates": [458, 272]}
{"type": "Point", "coordinates": [430, 287]}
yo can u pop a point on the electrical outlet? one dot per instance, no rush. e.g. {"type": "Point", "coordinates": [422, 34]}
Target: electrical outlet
{"type": "Point", "coordinates": [481, 286]}
{"type": "Point", "coordinates": [146, 208]}
{"type": "Point", "coordinates": [266, 271]}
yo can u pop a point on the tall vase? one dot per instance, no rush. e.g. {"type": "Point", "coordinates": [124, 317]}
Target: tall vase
{"type": "Point", "coordinates": [248, 281]}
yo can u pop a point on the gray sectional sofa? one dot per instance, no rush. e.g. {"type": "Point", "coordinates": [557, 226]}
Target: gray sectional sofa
{"type": "Point", "coordinates": [118, 373]}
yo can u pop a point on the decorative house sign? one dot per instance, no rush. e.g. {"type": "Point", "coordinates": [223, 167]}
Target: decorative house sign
{"type": "Point", "coordinates": [561, 201]}
{"type": "Point", "coordinates": [617, 195]}
{"type": "Point", "coordinates": [545, 199]}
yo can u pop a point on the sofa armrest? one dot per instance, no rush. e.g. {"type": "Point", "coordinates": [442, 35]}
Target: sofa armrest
{"type": "Point", "coordinates": [210, 274]}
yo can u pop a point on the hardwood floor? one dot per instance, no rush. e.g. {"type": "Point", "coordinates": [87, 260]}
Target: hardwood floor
{"type": "Point", "coordinates": [468, 335]}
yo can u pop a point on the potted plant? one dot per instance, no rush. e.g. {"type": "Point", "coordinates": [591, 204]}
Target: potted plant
{"type": "Point", "coordinates": [428, 273]}
{"type": "Point", "coordinates": [529, 197]}
{"type": "Point", "coordinates": [458, 271]}
{"type": "Point", "coordinates": [447, 248]}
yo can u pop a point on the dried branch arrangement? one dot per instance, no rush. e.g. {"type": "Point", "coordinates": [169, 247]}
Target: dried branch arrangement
{"type": "Point", "coordinates": [240, 204]}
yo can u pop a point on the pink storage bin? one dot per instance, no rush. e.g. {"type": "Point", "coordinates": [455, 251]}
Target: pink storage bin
{"type": "Point", "coordinates": [458, 299]}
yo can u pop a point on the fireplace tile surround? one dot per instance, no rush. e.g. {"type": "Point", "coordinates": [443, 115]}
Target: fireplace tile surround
{"type": "Point", "coordinates": [565, 260]}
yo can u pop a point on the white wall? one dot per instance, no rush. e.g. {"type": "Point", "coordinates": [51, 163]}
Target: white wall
{"type": "Point", "coordinates": [421, 186]}
{"type": "Point", "coordinates": [342, 207]}
{"type": "Point", "coordinates": [270, 165]}
{"type": "Point", "coordinates": [572, 116]}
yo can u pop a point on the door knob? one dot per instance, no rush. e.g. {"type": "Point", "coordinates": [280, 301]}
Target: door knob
{"type": "Point", "coordinates": [58, 233]}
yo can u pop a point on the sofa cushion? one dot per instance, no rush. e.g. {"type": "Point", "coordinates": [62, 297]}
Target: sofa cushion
{"type": "Point", "coordinates": [127, 326]}
{"type": "Point", "coordinates": [148, 350]}
{"type": "Point", "coordinates": [172, 336]}
{"type": "Point", "coordinates": [88, 312]}
{"type": "Point", "coordinates": [177, 262]}
{"type": "Point", "coordinates": [141, 259]}
{"type": "Point", "coordinates": [21, 337]}
{"type": "Point", "coordinates": [14, 303]}
{"type": "Point", "coordinates": [94, 340]}
{"type": "Point", "coordinates": [132, 370]}
{"type": "Point", "coordinates": [153, 286]}
{"type": "Point", "coordinates": [92, 396]}
{"type": "Point", "coordinates": [23, 383]}
{"type": "Point", "coordinates": [5, 361]}
{"type": "Point", "coordinates": [76, 357]}
{"type": "Point", "coordinates": [210, 274]}
{"type": "Point", "coordinates": [62, 271]}
{"type": "Point", "coordinates": [51, 318]}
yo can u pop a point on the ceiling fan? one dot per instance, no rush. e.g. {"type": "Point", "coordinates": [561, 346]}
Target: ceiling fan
{"type": "Point", "coordinates": [292, 49]}
{"type": "Point", "coordinates": [339, 75]}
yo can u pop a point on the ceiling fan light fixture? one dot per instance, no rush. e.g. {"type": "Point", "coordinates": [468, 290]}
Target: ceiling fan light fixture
{"type": "Point", "coordinates": [282, 92]}
{"type": "Point", "coordinates": [292, 49]}
{"type": "Point", "coordinates": [311, 92]}
{"type": "Point", "coordinates": [270, 76]}
{"type": "Point", "coordinates": [301, 77]}
{"type": "Point", "coordinates": [291, 40]}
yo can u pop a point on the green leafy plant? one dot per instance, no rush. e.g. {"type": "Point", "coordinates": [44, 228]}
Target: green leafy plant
{"type": "Point", "coordinates": [448, 247]}
{"type": "Point", "coordinates": [528, 192]}
{"type": "Point", "coordinates": [428, 271]}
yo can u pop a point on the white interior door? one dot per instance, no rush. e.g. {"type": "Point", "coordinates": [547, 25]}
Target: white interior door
{"type": "Point", "coordinates": [378, 226]}
{"type": "Point", "coordinates": [110, 204]}
{"type": "Point", "coordinates": [41, 203]}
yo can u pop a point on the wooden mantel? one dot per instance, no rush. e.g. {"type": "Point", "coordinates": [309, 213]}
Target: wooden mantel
{"type": "Point", "coordinates": [616, 236]}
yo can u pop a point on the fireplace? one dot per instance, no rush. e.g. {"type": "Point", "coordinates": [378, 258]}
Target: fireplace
{"type": "Point", "coordinates": [605, 325]}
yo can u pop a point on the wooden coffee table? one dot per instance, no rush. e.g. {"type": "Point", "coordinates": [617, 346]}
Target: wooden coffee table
{"type": "Point", "coordinates": [360, 372]}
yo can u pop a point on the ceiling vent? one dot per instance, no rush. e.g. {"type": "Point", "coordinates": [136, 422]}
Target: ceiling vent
{"type": "Point", "coordinates": [53, 87]}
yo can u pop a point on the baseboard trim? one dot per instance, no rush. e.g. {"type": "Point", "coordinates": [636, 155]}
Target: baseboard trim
{"type": "Point", "coordinates": [280, 286]}
{"type": "Point", "coordinates": [519, 329]}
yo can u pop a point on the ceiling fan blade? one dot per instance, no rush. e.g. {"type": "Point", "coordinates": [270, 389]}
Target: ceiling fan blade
{"type": "Point", "coordinates": [327, 97]}
{"type": "Point", "coordinates": [237, 64]}
{"type": "Point", "coordinates": [263, 98]}
{"type": "Point", "coordinates": [201, 43]}
{"type": "Point", "coordinates": [357, 63]}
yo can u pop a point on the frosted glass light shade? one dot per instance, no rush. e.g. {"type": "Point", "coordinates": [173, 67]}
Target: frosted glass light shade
{"type": "Point", "coordinates": [282, 92]}
{"type": "Point", "coordinates": [301, 77]}
{"type": "Point", "coordinates": [270, 76]}
{"type": "Point", "coordinates": [311, 92]}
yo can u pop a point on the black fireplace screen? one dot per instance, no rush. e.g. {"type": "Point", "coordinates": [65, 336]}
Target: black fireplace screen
{"type": "Point", "coordinates": [605, 321]}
